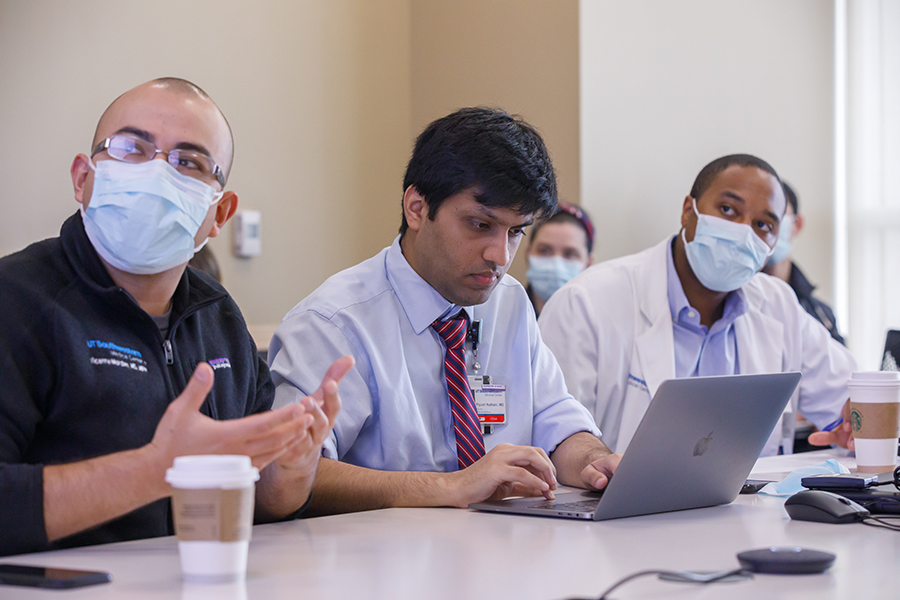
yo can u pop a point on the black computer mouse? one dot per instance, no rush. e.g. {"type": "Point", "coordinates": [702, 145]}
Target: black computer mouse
{"type": "Point", "coordinates": [824, 507]}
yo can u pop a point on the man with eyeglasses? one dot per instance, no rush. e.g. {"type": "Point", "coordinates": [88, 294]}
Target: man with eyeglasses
{"type": "Point", "coordinates": [115, 358]}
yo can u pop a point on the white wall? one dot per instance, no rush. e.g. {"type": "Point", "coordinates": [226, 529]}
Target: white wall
{"type": "Point", "coordinates": [873, 179]}
{"type": "Point", "coordinates": [668, 86]}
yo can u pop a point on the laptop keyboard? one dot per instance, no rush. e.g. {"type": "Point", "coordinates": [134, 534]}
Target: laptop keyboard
{"type": "Point", "coordinates": [589, 505]}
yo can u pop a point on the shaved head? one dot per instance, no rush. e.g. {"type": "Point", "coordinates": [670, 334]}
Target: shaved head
{"type": "Point", "coordinates": [222, 140]}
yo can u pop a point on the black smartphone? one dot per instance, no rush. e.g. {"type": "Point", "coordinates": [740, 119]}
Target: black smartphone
{"type": "Point", "coordinates": [50, 577]}
{"type": "Point", "coordinates": [751, 486]}
{"type": "Point", "coordinates": [839, 481]}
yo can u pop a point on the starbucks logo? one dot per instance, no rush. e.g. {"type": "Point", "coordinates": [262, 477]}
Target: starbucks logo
{"type": "Point", "coordinates": [855, 420]}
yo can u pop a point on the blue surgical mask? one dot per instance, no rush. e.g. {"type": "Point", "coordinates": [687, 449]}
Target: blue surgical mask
{"type": "Point", "coordinates": [790, 485]}
{"type": "Point", "coordinates": [724, 255]}
{"type": "Point", "coordinates": [782, 248]}
{"type": "Point", "coordinates": [142, 217]}
{"type": "Point", "coordinates": [546, 274]}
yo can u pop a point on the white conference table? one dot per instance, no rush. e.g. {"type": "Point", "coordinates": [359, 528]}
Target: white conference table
{"type": "Point", "coordinates": [462, 554]}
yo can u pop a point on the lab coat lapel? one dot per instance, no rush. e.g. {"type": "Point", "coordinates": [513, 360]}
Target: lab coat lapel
{"type": "Point", "coordinates": [655, 344]}
{"type": "Point", "coordinates": [760, 342]}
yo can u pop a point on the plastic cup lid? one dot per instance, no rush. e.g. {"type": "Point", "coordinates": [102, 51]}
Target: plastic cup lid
{"type": "Point", "coordinates": [212, 471]}
{"type": "Point", "coordinates": [872, 379]}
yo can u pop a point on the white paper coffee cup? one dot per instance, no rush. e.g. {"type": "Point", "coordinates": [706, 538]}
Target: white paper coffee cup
{"type": "Point", "coordinates": [212, 506]}
{"type": "Point", "coordinates": [875, 419]}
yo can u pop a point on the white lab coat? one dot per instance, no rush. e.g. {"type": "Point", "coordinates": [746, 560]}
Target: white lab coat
{"type": "Point", "coordinates": [611, 331]}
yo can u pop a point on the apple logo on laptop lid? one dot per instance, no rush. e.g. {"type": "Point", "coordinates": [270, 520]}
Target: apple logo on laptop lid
{"type": "Point", "coordinates": [702, 445]}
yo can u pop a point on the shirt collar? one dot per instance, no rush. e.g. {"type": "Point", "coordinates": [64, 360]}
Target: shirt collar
{"type": "Point", "coordinates": [679, 307]}
{"type": "Point", "coordinates": [422, 303]}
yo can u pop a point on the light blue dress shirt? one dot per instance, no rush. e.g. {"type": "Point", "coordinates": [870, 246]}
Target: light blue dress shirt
{"type": "Point", "coordinates": [396, 412]}
{"type": "Point", "coordinates": [702, 351]}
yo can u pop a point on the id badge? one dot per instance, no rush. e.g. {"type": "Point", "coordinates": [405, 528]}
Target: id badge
{"type": "Point", "coordinates": [490, 401]}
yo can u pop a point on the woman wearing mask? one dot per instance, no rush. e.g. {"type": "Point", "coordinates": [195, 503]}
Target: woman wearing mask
{"type": "Point", "coordinates": [558, 250]}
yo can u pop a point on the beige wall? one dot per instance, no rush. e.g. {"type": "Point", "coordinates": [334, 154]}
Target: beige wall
{"type": "Point", "coordinates": [520, 55]}
{"type": "Point", "coordinates": [668, 86]}
{"type": "Point", "coordinates": [317, 93]}
{"type": "Point", "coordinates": [325, 98]}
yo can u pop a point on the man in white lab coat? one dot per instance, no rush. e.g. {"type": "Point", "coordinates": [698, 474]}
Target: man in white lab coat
{"type": "Point", "coordinates": [696, 305]}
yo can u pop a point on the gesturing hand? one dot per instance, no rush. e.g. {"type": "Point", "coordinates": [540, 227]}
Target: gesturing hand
{"type": "Point", "coordinates": [184, 430]}
{"type": "Point", "coordinates": [323, 406]}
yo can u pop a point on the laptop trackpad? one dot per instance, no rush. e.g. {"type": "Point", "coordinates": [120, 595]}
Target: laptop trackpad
{"type": "Point", "coordinates": [570, 501]}
{"type": "Point", "coordinates": [541, 502]}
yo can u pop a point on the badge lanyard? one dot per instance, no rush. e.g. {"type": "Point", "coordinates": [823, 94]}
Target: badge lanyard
{"type": "Point", "coordinates": [489, 395]}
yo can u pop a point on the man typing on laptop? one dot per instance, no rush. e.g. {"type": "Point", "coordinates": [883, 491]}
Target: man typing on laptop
{"type": "Point", "coordinates": [697, 442]}
{"type": "Point", "coordinates": [454, 398]}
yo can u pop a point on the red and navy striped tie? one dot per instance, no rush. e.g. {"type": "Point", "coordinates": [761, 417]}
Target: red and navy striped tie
{"type": "Point", "coordinates": [469, 441]}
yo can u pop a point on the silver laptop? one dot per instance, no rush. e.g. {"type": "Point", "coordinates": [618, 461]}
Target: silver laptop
{"type": "Point", "coordinates": [695, 446]}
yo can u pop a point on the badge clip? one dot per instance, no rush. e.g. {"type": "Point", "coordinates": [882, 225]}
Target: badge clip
{"type": "Point", "coordinates": [474, 335]}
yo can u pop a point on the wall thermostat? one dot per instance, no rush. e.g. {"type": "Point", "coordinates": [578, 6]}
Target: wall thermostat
{"type": "Point", "coordinates": [248, 233]}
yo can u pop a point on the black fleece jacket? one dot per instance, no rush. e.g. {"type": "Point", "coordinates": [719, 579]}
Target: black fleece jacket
{"type": "Point", "coordinates": [818, 309]}
{"type": "Point", "coordinates": [85, 372]}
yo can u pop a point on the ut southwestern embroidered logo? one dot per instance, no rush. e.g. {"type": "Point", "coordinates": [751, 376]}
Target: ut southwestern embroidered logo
{"type": "Point", "coordinates": [110, 354]}
{"type": "Point", "coordinates": [220, 363]}
{"type": "Point", "coordinates": [111, 346]}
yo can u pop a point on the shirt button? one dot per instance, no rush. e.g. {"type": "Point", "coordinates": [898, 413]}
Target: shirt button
{"type": "Point", "coordinates": [692, 314]}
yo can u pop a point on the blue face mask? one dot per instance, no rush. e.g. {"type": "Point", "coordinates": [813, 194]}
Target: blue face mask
{"type": "Point", "coordinates": [790, 485]}
{"type": "Point", "coordinates": [782, 248]}
{"type": "Point", "coordinates": [546, 274]}
{"type": "Point", "coordinates": [142, 217]}
{"type": "Point", "coordinates": [724, 255]}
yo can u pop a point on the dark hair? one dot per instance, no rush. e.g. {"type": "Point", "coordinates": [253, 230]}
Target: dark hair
{"type": "Point", "coordinates": [501, 156]}
{"type": "Point", "coordinates": [709, 172]}
{"type": "Point", "coordinates": [791, 196]}
{"type": "Point", "coordinates": [569, 213]}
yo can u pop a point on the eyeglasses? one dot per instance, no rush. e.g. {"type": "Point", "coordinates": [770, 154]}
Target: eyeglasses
{"type": "Point", "coordinates": [188, 162]}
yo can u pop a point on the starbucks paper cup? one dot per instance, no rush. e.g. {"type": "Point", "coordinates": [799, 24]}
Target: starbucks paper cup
{"type": "Point", "coordinates": [875, 419]}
